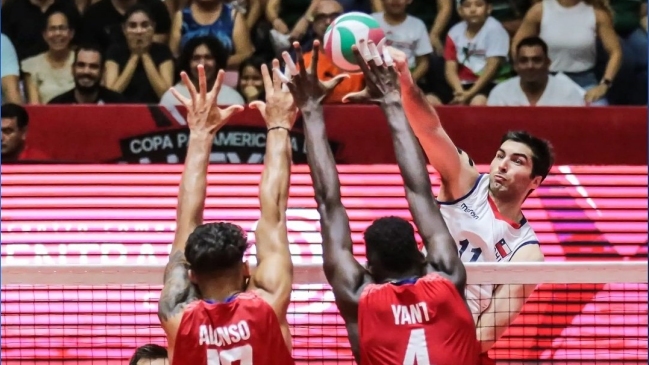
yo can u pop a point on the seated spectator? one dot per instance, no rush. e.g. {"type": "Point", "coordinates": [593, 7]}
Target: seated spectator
{"type": "Point", "coordinates": [10, 72]}
{"type": "Point", "coordinates": [324, 13]}
{"type": "Point", "coordinates": [534, 86]}
{"type": "Point", "coordinates": [476, 53]}
{"type": "Point", "coordinates": [214, 18]}
{"type": "Point", "coordinates": [437, 16]}
{"type": "Point", "coordinates": [23, 22]}
{"type": "Point", "coordinates": [407, 34]}
{"type": "Point", "coordinates": [14, 132]}
{"type": "Point", "coordinates": [102, 22]}
{"type": "Point", "coordinates": [209, 52]}
{"type": "Point", "coordinates": [142, 71]}
{"type": "Point", "coordinates": [571, 33]}
{"type": "Point", "coordinates": [510, 13]}
{"type": "Point", "coordinates": [150, 354]}
{"type": "Point", "coordinates": [250, 84]}
{"type": "Point", "coordinates": [88, 71]}
{"type": "Point", "coordinates": [49, 74]}
{"type": "Point", "coordinates": [630, 85]}
{"type": "Point", "coordinates": [289, 19]}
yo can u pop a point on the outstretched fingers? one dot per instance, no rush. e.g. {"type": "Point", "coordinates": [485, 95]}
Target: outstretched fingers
{"type": "Point", "coordinates": [360, 60]}
{"type": "Point", "coordinates": [202, 82]}
{"type": "Point", "coordinates": [182, 99]}
{"type": "Point", "coordinates": [229, 111]}
{"type": "Point", "coordinates": [357, 96]}
{"type": "Point", "coordinates": [190, 86]}
{"type": "Point", "coordinates": [277, 81]}
{"type": "Point", "coordinates": [300, 59]}
{"type": "Point", "coordinates": [315, 58]}
{"type": "Point", "coordinates": [216, 89]}
{"type": "Point", "coordinates": [268, 82]}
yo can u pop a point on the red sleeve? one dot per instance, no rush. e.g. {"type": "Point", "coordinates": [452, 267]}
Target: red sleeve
{"type": "Point", "coordinates": [450, 53]}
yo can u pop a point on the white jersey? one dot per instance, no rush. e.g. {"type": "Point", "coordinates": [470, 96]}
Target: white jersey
{"type": "Point", "coordinates": [483, 235]}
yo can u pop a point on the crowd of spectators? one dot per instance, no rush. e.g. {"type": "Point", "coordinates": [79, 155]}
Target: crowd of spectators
{"type": "Point", "coordinates": [464, 52]}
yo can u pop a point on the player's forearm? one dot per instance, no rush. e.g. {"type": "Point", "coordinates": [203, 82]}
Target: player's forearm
{"type": "Point", "coordinates": [507, 303]}
{"type": "Point", "coordinates": [193, 185]}
{"type": "Point", "coordinates": [273, 190]}
{"type": "Point", "coordinates": [321, 160]}
{"type": "Point", "coordinates": [420, 114]}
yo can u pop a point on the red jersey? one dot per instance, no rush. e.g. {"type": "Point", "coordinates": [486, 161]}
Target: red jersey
{"type": "Point", "coordinates": [243, 331]}
{"type": "Point", "coordinates": [419, 322]}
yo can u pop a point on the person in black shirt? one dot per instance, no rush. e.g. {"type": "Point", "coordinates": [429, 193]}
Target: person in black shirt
{"type": "Point", "coordinates": [23, 22]}
{"type": "Point", "coordinates": [102, 22]}
{"type": "Point", "coordinates": [87, 70]}
{"type": "Point", "coordinates": [142, 71]}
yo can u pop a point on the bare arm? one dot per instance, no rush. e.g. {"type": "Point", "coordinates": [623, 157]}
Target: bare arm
{"type": "Point", "coordinates": [610, 42]}
{"type": "Point", "coordinates": [422, 63]}
{"type": "Point", "coordinates": [117, 81]}
{"type": "Point", "coordinates": [33, 96]}
{"type": "Point", "coordinates": [11, 90]}
{"type": "Point", "coordinates": [175, 34]}
{"type": "Point", "coordinates": [254, 13]}
{"type": "Point", "coordinates": [530, 26]}
{"type": "Point", "coordinates": [452, 77]}
{"type": "Point", "coordinates": [643, 16]}
{"type": "Point", "coordinates": [441, 249]}
{"type": "Point", "coordinates": [507, 301]}
{"type": "Point", "coordinates": [160, 79]}
{"type": "Point", "coordinates": [444, 12]}
{"type": "Point", "coordinates": [242, 45]}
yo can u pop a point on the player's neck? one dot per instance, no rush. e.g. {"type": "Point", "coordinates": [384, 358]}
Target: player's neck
{"type": "Point", "coordinates": [508, 208]}
{"type": "Point", "coordinates": [219, 289]}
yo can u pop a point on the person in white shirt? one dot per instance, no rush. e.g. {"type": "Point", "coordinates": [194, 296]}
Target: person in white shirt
{"type": "Point", "coordinates": [407, 34]}
{"type": "Point", "coordinates": [535, 86]}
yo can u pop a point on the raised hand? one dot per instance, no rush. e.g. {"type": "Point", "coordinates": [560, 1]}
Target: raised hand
{"type": "Point", "coordinates": [279, 110]}
{"type": "Point", "coordinates": [203, 116]}
{"type": "Point", "coordinates": [306, 87]}
{"type": "Point", "coordinates": [381, 76]}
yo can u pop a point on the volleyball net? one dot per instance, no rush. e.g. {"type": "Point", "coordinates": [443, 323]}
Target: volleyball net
{"type": "Point", "coordinates": [580, 313]}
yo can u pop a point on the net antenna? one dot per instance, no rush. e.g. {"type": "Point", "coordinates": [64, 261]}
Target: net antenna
{"type": "Point", "coordinates": [477, 273]}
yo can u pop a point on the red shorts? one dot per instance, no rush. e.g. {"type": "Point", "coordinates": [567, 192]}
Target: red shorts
{"type": "Point", "coordinates": [485, 360]}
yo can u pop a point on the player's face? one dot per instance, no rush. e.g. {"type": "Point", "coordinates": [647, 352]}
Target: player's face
{"type": "Point", "coordinates": [532, 64]}
{"type": "Point", "coordinates": [203, 56]}
{"type": "Point", "coordinates": [510, 174]}
{"type": "Point", "coordinates": [474, 11]}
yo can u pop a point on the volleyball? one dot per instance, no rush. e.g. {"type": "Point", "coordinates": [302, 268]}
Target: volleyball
{"type": "Point", "coordinates": [346, 31]}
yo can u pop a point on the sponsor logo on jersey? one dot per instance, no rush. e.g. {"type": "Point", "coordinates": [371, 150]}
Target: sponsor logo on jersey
{"type": "Point", "coordinates": [502, 249]}
{"type": "Point", "coordinates": [471, 212]}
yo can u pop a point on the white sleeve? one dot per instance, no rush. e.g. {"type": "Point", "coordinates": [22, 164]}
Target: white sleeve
{"type": "Point", "coordinates": [497, 39]}
{"type": "Point", "coordinates": [423, 46]}
{"type": "Point", "coordinates": [496, 97]}
{"type": "Point", "coordinates": [10, 65]}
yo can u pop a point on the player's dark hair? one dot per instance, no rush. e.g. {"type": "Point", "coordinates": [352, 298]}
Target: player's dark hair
{"type": "Point", "coordinates": [542, 154]}
{"type": "Point", "coordinates": [391, 242]}
{"type": "Point", "coordinates": [533, 42]}
{"type": "Point", "coordinates": [11, 111]}
{"type": "Point", "coordinates": [216, 48]}
{"type": "Point", "coordinates": [90, 47]}
{"type": "Point", "coordinates": [215, 246]}
{"type": "Point", "coordinates": [148, 352]}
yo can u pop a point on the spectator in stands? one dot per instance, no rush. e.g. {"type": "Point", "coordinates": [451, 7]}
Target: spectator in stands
{"type": "Point", "coordinates": [88, 70]}
{"type": "Point", "coordinates": [570, 28]}
{"type": "Point", "coordinates": [324, 13]}
{"type": "Point", "coordinates": [250, 84]}
{"type": "Point", "coordinates": [142, 71]}
{"type": "Point", "coordinates": [510, 13]}
{"type": "Point", "coordinates": [150, 354]}
{"type": "Point", "coordinates": [49, 73]}
{"type": "Point", "coordinates": [10, 72]}
{"type": "Point", "coordinates": [534, 86]}
{"type": "Point", "coordinates": [209, 52]}
{"type": "Point", "coordinates": [630, 24]}
{"type": "Point", "coordinates": [407, 34]}
{"type": "Point", "coordinates": [214, 18]}
{"type": "Point", "coordinates": [14, 132]}
{"type": "Point", "coordinates": [437, 16]}
{"type": "Point", "coordinates": [102, 22]}
{"type": "Point", "coordinates": [23, 22]}
{"type": "Point", "coordinates": [290, 20]}
{"type": "Point", "coordinates": [476, 53]}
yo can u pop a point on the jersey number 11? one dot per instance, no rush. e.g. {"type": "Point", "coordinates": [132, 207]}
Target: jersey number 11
{"type": "Point", "coordinates": [243, 354]}
{"type": "Point", "coordinates": [417, 350]}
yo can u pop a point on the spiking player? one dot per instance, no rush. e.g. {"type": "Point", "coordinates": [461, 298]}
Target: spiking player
{"type": "Point", "coordinates": [483, 211]}
{"type": "Point", "coordinates": [211, 309]}
{"type": "Point", "coordinates": [406, 308]}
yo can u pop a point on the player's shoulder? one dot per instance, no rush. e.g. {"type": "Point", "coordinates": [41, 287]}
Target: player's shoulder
{"type": "Point", "coordinates": [477, 192]}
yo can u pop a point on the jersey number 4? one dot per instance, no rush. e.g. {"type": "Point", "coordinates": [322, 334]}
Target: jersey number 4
{"type": "Point", "coordinates": [417, 350]}
{"type": "Point", "coordinates": [475, 252]}
{"type": "Point", "coordinates": [243, 354]}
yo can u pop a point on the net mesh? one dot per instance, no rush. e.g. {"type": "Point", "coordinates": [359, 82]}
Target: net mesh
{"type": "Point", "coordinates": [602, 320]}
{"type": "Point", "coordinates": [102, 216]}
